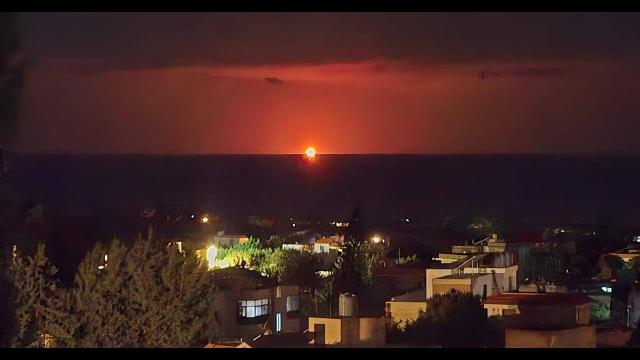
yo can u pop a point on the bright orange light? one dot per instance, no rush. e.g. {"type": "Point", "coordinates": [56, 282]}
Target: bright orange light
{"type": "Point", "coordinates": [310, 153]}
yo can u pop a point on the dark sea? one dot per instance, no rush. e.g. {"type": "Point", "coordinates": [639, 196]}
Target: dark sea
{"type": "Point", "coordinates": [423, 187]}
{"type": "Point", "coordinates": [522, 189]}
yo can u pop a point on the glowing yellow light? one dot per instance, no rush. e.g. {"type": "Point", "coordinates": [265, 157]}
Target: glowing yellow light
{"type": "Point", "coordinates": [376, 239]}
{"type": "Point", "coordinates": [212, 252]}
{"type": "Point", "coordinates": [310, 153]}
{"type": "Point", "coordinates": [205, 220]}
{"type": "Point", "coordinates": [223, 263]}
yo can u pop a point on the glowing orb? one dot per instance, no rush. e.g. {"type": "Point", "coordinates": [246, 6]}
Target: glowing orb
{"type": "Point", "coordinates": [310, 153]}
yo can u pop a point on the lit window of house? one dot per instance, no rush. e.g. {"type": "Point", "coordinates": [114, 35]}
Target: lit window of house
{"type": "Point", "coordinates": [293, 303]}
{"type": "Point", "coordinates": [253, 308]}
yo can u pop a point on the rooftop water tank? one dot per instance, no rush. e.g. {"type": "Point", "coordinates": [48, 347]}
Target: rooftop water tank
{"type": "Point", "coordinates": [348, 305]}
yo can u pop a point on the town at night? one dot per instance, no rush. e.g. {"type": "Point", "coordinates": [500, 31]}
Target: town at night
{"type": "Point", "coordinates": [399, 180]}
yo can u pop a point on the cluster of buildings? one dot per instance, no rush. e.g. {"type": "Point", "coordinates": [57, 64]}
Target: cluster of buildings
{"type": "Point", "coordinates": [254, 311]}
{"type": "Point", "coordinates": [257, 312]}
{"type": "Point", "coordinates": [251, 310]}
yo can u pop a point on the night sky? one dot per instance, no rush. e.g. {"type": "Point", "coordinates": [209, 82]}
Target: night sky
{"type": "Point", "coordinates": [344, 83]}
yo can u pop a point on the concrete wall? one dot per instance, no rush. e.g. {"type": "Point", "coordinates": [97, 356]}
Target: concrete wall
{"type": "Point", "coordinates": [444, 287]}
{"type": "Point", "coordinates": [502, 276]}
{"type": "Point", "coordinates": [372, 332]}
{"type": "Point", "coordinates": [477, 285]}
{"type": "Point", "coordinates": [473, 285]}
{"type": "Point", "coordinates": [402, 312]}
{"type": "Point", "coordinates": [583, 314]}
{"type": "Point", "coordinates": [350, 328]}
{"type": "Point", "coordinates": [225, 305]}
{"type": "Point", "coordinates": [617, 337]}
{"type": "Point", "coordinates": [352, 331]}
{"type": "Point", "coordinates": [332, 329]}
{"type": "Point", "coordinates": [290, 321]}
{"type": "Point", "coordinates": [541, 317]}
{"type": "Point", "coordinates": [501, 309]}
{"type": "Point", "coordinates": [578, 337]}
{"type": "Point", "coordinates": [432, 274]}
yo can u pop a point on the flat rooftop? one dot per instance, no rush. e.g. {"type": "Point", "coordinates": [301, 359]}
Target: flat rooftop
{"type": "Point", "coordinates": [538, 299]}
{"type": "Point", "coordinates": [461, 276]}
{"type": "Point", "coordinates": [414, 296]}
{"type": "Point", "coordinates": [633, 249]}
{"type": "Point", "coordinates": [237, 278]}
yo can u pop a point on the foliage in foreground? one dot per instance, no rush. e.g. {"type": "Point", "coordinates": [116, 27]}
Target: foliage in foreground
{"type": "Point", "coordinates": [355, 265]}
{"type": "Point", "coordinates": [144, 296]}
{"type": "Point", "coordinates": [32, 292]}
{"type": "Point", "coordinates": [454, 319]}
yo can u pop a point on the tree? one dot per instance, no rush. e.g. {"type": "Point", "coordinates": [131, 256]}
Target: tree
{"type": "Point", "coordinates": [622, 275]}
{"type": "Point", "coordinates": [98, 300]}
{"type": "Point", "coordinates": [252, 255]}
{"type": "Point", "coordinates": [168, 297]}
{"type": "Point", "coordinates": [475, 227]}
{"type": "Point", "coordinates": [33, 288]}
{"type": "Point", "coordinates": [298, 268]}
{"type": "Point", "coordinates": [275, 242]}
{"type": "Point", "coordinates": [483, 227]}
{"type": "Point", "coordinates": [351, 267]}
{"type": "Point", "coordinates": [146, 296]}
{"type": "Point", "coordinates": [454, 319]}
{"type": "Point", "coordinates": [548, 266]}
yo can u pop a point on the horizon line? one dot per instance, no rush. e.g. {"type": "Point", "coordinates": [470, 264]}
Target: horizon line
{"type": "Point", "coordinates": [319, 154]}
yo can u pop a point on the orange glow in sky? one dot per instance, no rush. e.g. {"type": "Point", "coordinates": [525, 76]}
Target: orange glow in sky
{"type": "Point", "coordinates": [377, 106]}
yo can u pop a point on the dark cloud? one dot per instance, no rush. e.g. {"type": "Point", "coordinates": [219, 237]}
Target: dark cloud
{"type": "Point", "coordinates": [143, 40]}
{"type": "Point", "coordinates": [273, 80]}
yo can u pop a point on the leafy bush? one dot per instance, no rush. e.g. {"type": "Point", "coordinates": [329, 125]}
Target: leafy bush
{"type": "Point", "coordinates": [454, 319]}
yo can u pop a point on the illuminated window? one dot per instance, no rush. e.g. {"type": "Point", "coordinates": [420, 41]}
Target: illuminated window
{"type": "Point", "coordinates": [292, 303]}
{"type": "Point", "coordinates": [253, 308]}
{"type": "Point", "coordinates": [278, 322]}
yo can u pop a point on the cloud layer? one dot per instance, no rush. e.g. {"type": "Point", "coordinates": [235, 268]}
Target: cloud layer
{"type": "Point", "coordinates": [344, 83]}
